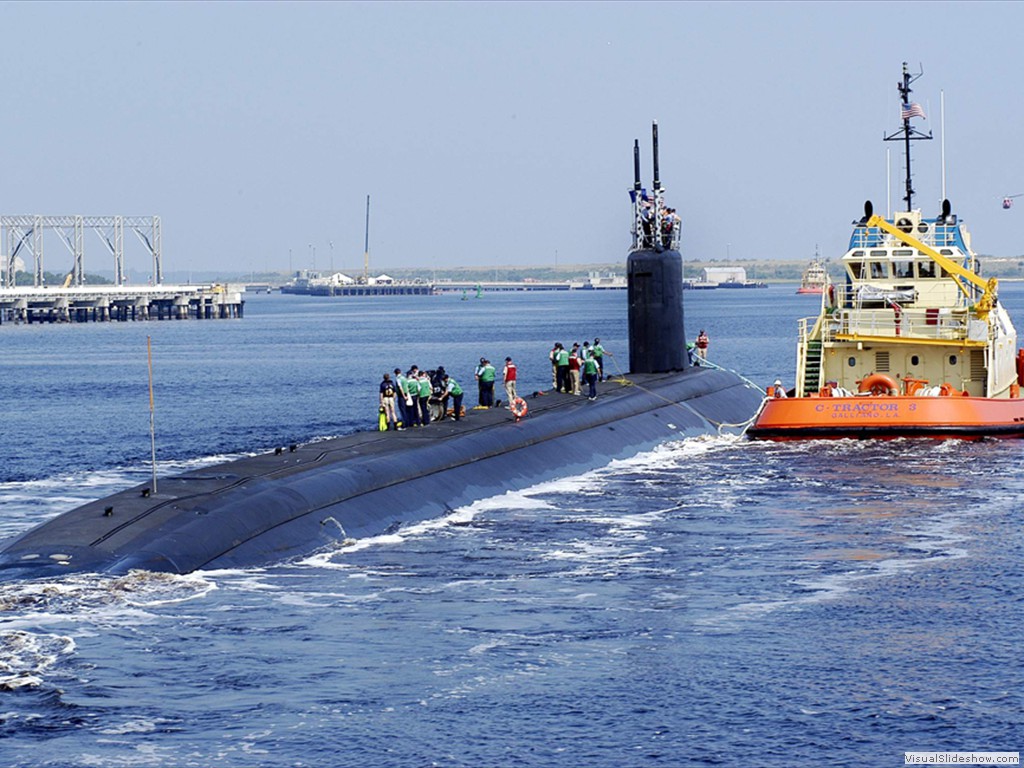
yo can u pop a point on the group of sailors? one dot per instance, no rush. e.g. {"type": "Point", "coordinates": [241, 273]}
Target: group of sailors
{"type": "Point", "coordinates": [571, 366]}
{"type": "Point", "coordinates": [665, 220]}
{"type": "Point", "coordinates": [417, 397]}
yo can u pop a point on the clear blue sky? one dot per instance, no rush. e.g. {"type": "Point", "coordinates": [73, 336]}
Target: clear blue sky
{"type": "Point", "coordinates": [491, 133]}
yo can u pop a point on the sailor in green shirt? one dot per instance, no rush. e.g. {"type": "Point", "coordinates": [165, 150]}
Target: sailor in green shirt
{"type": "Point", "coordinates": [590, 376]}
{"type": "Point", "coordinates": [598, 352]}
{"type": "Point", "coordinates": [562, 377]}
{"type": "Point", "coordinates": [451, 387]}
{"type": "Point", "coordinates": [485, 374]}
{"type": "Point", "coordinates": [424, 389]}
{"type": "Point", "coordinates": [403, 410]}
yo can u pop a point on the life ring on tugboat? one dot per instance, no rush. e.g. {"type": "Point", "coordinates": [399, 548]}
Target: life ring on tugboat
{"type": "Point", "coordinates": [830, 296]}
{"type": "Point", "coordinates": [946, 390]}
{"type": "Point", "coordinates": [519, 408]}
{"type": "Point", "coordinates": [913, 386]}
{"type": "Point", "coordinates": [878, 384]}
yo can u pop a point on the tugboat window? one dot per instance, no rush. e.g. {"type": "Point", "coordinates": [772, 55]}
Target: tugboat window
{"type": "Point", "coordinates": [857, 269]}
{"type": "Point", "coordinates": [852, 362]}
{"type": "Point", "coordinates": [926, 268]}
{"type": "Point", "coordinates": [952, 359]}
{"type": "Point", "coordinates": [903, 269]}
{"type": "Point", "coordinates": [914, 360]}
{"type": "Point", "coordinates": [879, 270]}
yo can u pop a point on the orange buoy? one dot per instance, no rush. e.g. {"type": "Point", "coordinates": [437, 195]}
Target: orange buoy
{"type": "Point", "coordinates": [878, 384]}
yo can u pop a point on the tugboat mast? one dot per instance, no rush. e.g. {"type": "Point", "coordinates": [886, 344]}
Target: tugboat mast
{"type": "Point", "coordinates": [908, 133]}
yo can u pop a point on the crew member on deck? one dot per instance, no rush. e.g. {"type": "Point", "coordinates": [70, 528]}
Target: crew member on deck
{"type": "Point", "coordinates": [574, 368]}
{"type": "Point", "coordinates": [562, 375]}
{"type": "Point", "coordinates": [485, 375]}
{"type": "Point", "coordinates": [508, 375]}
{"type": "Point", "coordinates": [590, 376]}
{"type": "Point", "coordinates": [401, 388]}
{"type": "Point", "coordinates": [598, 353]}
{"type": "Point", "coordinates": [425, 389]}
{"type": "Point", "coordinates": [452, 388]}
{"type": "Point", "coordinates": [387, 401]}
{"type": "Point", "coordinates": [702, 345]}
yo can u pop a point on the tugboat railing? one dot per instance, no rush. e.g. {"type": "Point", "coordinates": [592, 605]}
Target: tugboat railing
{"type": "Point", "coordinates": [933, 235]}
{"type": "Point", "coordinates": [911, 324]}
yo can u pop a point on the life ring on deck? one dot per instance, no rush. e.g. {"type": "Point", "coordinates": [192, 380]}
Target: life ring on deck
{"type": "Point", "coordinates": [946, 390]}
{"type": "Point", "coordinates": [913, 386]}
{"type": "Point", "coordinates": [830, 296]}
{"type": "Point", "coordinates": [519, 408]}
{"type": "Point", "coordinates": [878, 384]}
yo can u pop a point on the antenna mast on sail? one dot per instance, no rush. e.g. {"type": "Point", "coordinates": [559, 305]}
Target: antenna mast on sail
{"type": "Point", "coordinates": [659, 191]}
{"type": "Point", "coordinates": [908, 133]}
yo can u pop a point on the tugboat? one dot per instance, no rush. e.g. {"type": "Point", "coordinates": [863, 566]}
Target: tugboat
{"type": "Point", "coordinates": [815, 277]}
{"type": "Point", "coordinates": [914, 344]}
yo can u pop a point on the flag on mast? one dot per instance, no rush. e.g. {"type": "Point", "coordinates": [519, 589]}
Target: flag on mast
{"type": "Point", "coordinates": [913, 109]}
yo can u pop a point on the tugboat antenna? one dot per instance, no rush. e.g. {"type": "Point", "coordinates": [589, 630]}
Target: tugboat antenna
{"type": "Point", "coordinates": [908, 133]}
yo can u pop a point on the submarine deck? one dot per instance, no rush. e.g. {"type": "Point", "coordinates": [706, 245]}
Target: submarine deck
{"type": "Point", "coordinates": [287, 502]}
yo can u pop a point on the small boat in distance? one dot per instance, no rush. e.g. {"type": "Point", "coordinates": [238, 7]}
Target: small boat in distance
{"type": "Point", "coordinates": [914, 344]}
{"type": "Point", "coordinates": [815, 277]}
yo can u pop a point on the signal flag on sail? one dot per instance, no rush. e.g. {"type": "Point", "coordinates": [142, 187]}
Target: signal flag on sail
{"type": "Point", "coordinates": [913, 109]}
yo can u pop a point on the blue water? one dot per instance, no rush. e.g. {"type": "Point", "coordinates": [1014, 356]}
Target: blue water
{"type": "Point", "coordinates": [716, 602]}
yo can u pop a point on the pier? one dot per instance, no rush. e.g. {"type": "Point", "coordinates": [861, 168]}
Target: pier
{"type": "Point", "coordinates": [110, 303]}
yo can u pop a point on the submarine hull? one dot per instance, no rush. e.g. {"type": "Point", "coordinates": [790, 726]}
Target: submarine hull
{"type": "Point", "coordinates": [276, 506]}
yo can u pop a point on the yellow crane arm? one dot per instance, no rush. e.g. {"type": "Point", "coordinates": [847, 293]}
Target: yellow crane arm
{"type": "Point", "coordinates": [987, 300]}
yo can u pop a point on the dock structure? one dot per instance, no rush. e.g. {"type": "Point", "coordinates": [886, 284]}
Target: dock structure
{"type": "Point", "coordinates": [23, 236]}
{"type": "Point", "coordinates": [108, 303]}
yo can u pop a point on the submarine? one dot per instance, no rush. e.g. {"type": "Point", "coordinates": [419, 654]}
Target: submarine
{"type": "Point", "coordinates": [302, 498]}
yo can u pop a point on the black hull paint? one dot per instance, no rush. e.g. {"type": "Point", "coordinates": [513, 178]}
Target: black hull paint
{"type": "Point", "coordinates": [273, 507]}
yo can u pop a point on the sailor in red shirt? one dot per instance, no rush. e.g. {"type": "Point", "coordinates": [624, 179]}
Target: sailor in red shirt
{"type": "Point", "coordinates": [509, 375]}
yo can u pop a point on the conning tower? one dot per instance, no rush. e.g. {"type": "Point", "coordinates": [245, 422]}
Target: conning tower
{"type": "Point", "coordinates": [657, 340]}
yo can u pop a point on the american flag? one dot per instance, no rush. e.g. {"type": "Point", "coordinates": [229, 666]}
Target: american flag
{"type": "Point", "coordinates": [913, 109]}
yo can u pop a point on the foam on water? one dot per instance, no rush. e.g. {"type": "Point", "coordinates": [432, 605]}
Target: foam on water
{"type": "Point", "coordinates": [82, 603]}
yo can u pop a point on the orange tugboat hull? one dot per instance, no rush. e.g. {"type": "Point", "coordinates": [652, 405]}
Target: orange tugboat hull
{"type": "Point", "coordinates": [813, 418]}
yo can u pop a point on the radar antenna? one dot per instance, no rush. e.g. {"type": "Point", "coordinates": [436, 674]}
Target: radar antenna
{"type": "Point", "coordinates": [908, 133]}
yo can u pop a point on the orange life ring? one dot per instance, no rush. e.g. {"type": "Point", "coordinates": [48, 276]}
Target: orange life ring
{"type": "Point", "coordinates": [519, 408]}
{"type": "Point", "coordinates": [878, 384]}
{"type": "Point", "coordinates": [913, 386]}
{"type": "Point", "coordinates": [946, 390]}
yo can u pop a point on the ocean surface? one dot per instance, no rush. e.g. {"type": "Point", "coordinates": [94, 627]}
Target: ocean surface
{"type": "Point", "coordinates": [717, 602]}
